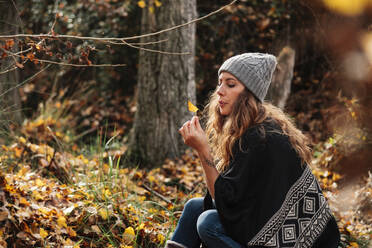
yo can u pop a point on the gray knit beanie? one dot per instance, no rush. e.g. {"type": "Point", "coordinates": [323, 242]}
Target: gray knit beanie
{"type": "Point", "coordinates": [254, 70]}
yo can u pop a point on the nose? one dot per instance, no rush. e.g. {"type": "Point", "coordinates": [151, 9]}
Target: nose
{"type": "Point", "coordinates": [220, 90]}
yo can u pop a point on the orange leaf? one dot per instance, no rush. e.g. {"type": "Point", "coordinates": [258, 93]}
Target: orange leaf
{"type": "Point", "coordinates": [9, 44]}
{"type": "Point", "coordinates": [141, 4]}
{"type": "Point", "coordinates": [23, 201]}
{"type": "Point", "coordinates": [192, 107]}
{"type": "Point", "coordinates": [30, 56]}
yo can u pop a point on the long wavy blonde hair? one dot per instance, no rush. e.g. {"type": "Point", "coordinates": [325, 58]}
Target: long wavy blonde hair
{"type": "Point", "coordinates": [224, 131]}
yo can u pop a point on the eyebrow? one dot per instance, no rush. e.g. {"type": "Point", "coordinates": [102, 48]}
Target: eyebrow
{"type": "Point", "coordinates": [227, 79]}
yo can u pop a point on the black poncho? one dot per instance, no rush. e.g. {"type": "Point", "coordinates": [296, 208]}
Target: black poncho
{"type": "Point", "coordinates": [267, 198]}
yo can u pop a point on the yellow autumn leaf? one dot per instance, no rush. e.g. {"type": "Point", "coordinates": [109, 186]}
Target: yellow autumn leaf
{"type": "Point", "coordinates": [347, 7]}
{"type": "Point", "coordinates": [61, 221]}
{"type": "Point", "coordinates": [157, 3]}
{"type": "Point", "coordinates": [160, 238]}
{"type": "Point", "coordinates": [141, 226]}
{"type": "Point", "coordinates": [192, 107]}
{"type": "Point", "coordinates": [129, 231]}
{"type": "Point", "coordinates": [129, 235]}
{"type": "Point", "coordinates": [354, 244]}
{"type": "Point", "coordinates": [151, 179]}
{"type": "Point", "coordinates": [141, 4]}
{"type": "Point", "coordinates": [36, 195]}
{"type": "Point", "coordinates": [22, 140]}
{"type": "Point", "coordinates": [39, 183]}
{"type": "Point", "coordinates": [43, 233]}
{"type": "Point", "coordinates": [103, 213]}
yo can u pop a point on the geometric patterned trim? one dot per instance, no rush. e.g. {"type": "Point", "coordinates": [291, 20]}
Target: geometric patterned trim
{"type": "Point", "coordinates": [301, 218]}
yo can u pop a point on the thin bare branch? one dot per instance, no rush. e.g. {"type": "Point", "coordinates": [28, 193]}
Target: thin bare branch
{"type": "Point", "coordinates": [25, 81]}
{"type": "Point", "coordinates": [155, 51]}
{"type": "Point", "coordinates": [112, 38]}
{"type": "Point", "coordinates": [78, 65]}
{"type": "Point", "coordinates": [9, 70]}
{"type": "Point", "coordinates": [140, 43]}
{"type": "Point", "coordinates": [156, 193]}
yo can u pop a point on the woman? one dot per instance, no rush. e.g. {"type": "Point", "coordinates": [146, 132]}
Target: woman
{"type": "Point", "coordinates": [261, 192]}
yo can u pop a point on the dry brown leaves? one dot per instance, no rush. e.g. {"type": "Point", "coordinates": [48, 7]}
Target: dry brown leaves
{"type": "Point", "coordinates": [99, 205]}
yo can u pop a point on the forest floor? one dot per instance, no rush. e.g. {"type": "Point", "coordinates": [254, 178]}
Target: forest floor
{"type": "Point", "coordinates": [62, 183]}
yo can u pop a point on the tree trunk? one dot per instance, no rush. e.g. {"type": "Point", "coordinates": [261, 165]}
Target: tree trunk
{"type": "Point", "coordinates": [280, 87]}
{"type": "Point", "coordinates": [10, 103]}
{"type": "Point", "coordinates": [165, 83]}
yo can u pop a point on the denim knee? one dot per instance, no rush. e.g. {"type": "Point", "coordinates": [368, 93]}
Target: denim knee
{"type": "Point", "coordinates": [207, 224]}
{"type": "Point", "coordinates": [194, 205]}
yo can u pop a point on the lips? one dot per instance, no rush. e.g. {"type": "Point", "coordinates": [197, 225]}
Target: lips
{"type": "Point", "coordinates": [221, 103]}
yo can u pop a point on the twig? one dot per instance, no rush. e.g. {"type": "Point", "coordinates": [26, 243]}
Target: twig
{"type": "Point", "coordinates": [58, 63]}
{"type": "Point", "coordinates": [156, 193]}
{"type": "Point", "coordinates": [116, 39]}
{"type": "Point", "coordinates": [78, 65]}
{"type": "Point", "coordinates": [9, 70]}
{"type": "Point", "coordinates": [25, 81]}
{"type": "Point", "coordinates": [145, 43]}
{"type": "Point", "coordinates": [84, 133]}
{"type": "Point", "coordinates": [154, 51]}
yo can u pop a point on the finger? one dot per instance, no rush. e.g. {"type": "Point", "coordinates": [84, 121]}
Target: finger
{"type": "Point", "coordinates": [187, 127]}
{"type": "Point", "coordinates": [197, 124]}
{"type": "Point", "coordinates": [195, 120]}
{"type": "Point", "coordinates": [181, 131]}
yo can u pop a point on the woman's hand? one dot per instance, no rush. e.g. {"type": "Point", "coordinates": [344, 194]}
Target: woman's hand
{"type": "Point", "coordinates": [193, 135]}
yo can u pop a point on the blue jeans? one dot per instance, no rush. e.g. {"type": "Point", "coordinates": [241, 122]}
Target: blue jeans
{"type": "Point", "coordinates": [196, 226]}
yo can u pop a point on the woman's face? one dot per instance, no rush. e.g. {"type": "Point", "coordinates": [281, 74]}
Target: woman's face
{"type": "Point", "coordinates": [228, 90]}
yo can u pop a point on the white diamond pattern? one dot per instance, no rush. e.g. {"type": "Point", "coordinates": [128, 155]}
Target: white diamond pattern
{"type": "Point", "coordinates": [292, 226]}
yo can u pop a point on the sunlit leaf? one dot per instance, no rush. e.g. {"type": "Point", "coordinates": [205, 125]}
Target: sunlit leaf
{"type": "Point", "coordinates": [129, 231]}
{"type": "Point", "coordinates": [61, 221]}
{"type": "Point", "coordinates": [141, 4]}
{"type": "Point", "coordinates": [23, 201]}
{"type": "Point", "coordinates": [160, 238]}
{"type": "Point", "coordinates": [157, 3]}
{"type": "Point", "coordinates": [43, 233]}
{"type": "Point", "coordinates": [129, 235]}
{"type": "Point", "coordinates": [103, 213]}
{"type": "Point", "coordinates": [39, 183]}
{"type": "Point", "coordinates": [36, 195]}
{"type": "Point", "coordinates": [347, 7]}
{"type": "Point", "coordinates": [192, 107]}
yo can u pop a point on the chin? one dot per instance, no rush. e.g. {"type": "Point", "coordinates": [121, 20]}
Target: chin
{"type": "Point", "coordinates": [223, 113]}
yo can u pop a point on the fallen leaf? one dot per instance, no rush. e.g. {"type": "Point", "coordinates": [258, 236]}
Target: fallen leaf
{"type": "Point", "coordinates": [129, 235]}
{"type": "Point", "coordinates": [61, 221]}
{"type": "Point", "coordinates": [43, 233]}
